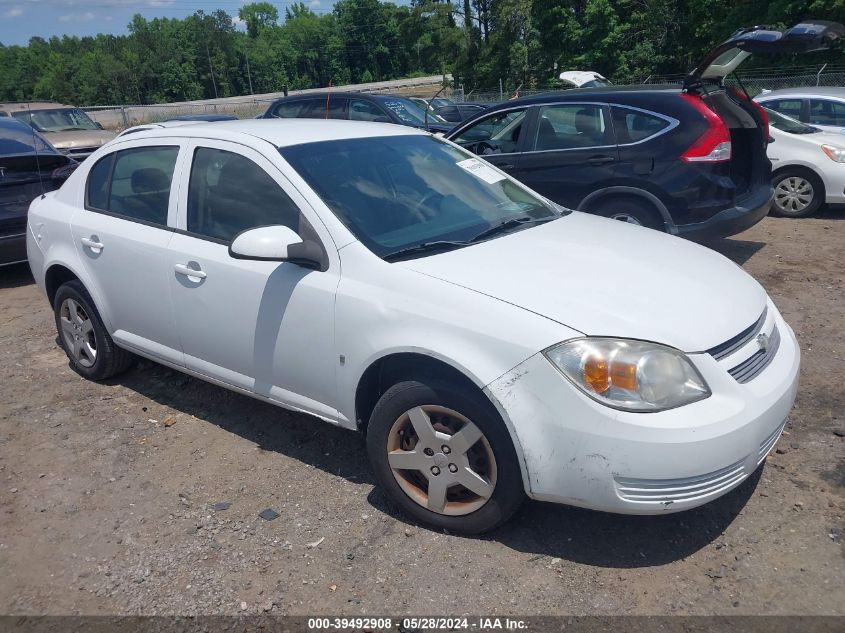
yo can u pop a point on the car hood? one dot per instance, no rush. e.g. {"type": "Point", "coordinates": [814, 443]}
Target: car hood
{"type": "Point", "coordinates": [607, 278]}
{"type": "Point", "coordinates": [79, 138]}
{"type": "Point", "coordinates": [725, 58]}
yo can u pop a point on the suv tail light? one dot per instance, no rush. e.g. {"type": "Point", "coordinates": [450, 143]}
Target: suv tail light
{"type": "Point", "coordinates": [714, 146]}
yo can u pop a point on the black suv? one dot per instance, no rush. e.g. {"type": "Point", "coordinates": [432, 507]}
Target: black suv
{"type": "Point", "coordinates": [689, 159]}
{"type": "Point", "coordinates": [356, 106]}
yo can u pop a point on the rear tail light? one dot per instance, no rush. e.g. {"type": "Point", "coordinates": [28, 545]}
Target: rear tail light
{"type": "Point", "coordinates": [714, 146]}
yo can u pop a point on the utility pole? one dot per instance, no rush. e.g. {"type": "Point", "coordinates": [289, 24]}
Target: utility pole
{"type": "Point", "coordinates": [211, 68]}
{"type": "Point", "coordinates": [248, 74]}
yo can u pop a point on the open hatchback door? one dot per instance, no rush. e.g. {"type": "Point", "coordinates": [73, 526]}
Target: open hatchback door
{"type": "Point", "coordinates": [722, 60]}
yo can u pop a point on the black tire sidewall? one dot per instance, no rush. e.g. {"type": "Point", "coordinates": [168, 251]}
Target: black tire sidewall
{"type": "Point", "coordinates": [818, 192]}
{"type": "Point", "coordinates": [647, 215]}
{"type": "Point", "coordinates": [509, 491]}
{"type": "Point", "coordinates": [76, 291]}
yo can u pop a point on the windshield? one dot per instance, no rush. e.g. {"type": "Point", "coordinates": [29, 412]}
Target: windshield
{"type": "Point", "coordinates": [410, 112]}
{"type": "Point", "coordinates": [787, 124]}
{"type": "Point", "coordinates": [59, 120]}
{"type": "Point", "coordinates": [398, 192]}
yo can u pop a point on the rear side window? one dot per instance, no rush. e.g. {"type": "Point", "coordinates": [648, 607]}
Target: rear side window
{"type": "Point", "coordinates": [632, 126]}
{"type": "Point", "coordinates": [789, 107]}
{"type": "Point", "coordinates": [134, 183]}
{"type": "Point", "coordinates": [824, 112]}
{"type": "Point", "coordinates": [571, 126]}
{"type": "Point", "coordinates": [294, 109]}
{"type": "Point", "coordinates": [365, 111]}
{"type": "Point", "coordinates": [229, 193]}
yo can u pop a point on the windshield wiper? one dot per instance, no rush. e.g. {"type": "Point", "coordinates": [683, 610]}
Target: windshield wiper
{"type": "Point", "coordinates": [511, 223]}
{"type": "Point", "coordinates": [425, 247]}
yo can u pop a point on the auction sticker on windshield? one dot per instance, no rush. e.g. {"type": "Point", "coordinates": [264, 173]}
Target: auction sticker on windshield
{"type": "Point", "coordinates": [480, 170]}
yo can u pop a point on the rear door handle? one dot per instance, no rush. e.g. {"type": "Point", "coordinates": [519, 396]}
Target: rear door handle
{"type": "Point", "coordinates": [92, 242]}
{"type": "Point", "coordinates": [184, 269]}
{"type": "Point", "coordinates": [600, 160]}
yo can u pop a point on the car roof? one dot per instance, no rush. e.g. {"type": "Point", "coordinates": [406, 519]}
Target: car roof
{"type": "Point", "coordinates": [23, 106]}
{"type": "Point", "coordinates": [811, 91]}
{"type": "Point", "coordinates": [577, 94]}
{"type": "Point", "coordinates": [279, 132]}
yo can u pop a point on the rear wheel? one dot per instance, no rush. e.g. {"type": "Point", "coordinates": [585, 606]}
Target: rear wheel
{"type": "Point", "coordinates": [83, 336]}
{"type": "Point", "coordinates": [798, 193]}
{"type": "Point", "coordinates": [631, 210]}
{"type": "Point", "coordinates": [444, 456]}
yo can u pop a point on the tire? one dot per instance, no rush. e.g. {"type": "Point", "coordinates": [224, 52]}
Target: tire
{"type": "Point", "coordinates": [798, 193]}
{"type": "Point", "coordinates": [82, 335]}
{"type": "Point", "coordinates": [490, 465]}
{"type": "Point", "coordinates": [630, 209]}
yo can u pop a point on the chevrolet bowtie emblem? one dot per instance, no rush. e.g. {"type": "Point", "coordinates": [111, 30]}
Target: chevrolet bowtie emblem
{"type": "Point", "coordinates": [763, 341]}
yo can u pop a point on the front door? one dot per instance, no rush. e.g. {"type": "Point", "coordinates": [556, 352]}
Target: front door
{"type": "Point", "coordinates": [569, 152]}
{"type": "Point", "coordinates": [266, 327]}
{"type": "Point", "coordinates": [497, 138]}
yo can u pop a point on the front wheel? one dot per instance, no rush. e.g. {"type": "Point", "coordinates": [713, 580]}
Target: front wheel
{"type": "Point", "coordinates": [444, 456]}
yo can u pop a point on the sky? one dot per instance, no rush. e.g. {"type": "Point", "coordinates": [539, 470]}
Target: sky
{"type": "Point", "coordinates": [23, 19]}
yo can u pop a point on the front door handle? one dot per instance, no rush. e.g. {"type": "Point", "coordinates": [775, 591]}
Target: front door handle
{"type": "Point", "coordinates": [93, 243]}
{"type": "Point", "coordinates": [184, 269]}
{"type": "Point", "coordinates": [600, 160]}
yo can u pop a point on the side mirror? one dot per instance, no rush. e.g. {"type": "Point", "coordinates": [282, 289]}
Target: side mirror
{"type": "Point", "coordinates": [99, 125]}
{"type": "Point", "coordinates": [276, 243]}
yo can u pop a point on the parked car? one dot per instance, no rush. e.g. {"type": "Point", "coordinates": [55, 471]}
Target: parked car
{"type": "Point", "coordinates": [457, 112]}
{"type": "Point", "coordinates": [68, 129]}
{"type": "Point", "coordinates": [821, 107]}
{"type": "Point", "coordinates": [356, 106]}
{"type": "Point", "coordinates": [808, 168]}
{"type": "Point", "coordinates": [584, 79]}
{"type": "Point", "coordinates": [203, 117]}
{"type": "Point", "coordinates": [488, 343]}
{"type": "Point", "coordinates": [689, 160]}
{"type": "Point", "coordinates": [29, 167]}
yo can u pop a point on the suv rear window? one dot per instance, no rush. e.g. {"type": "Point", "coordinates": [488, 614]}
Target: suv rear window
{"type": "Point", "coordinates": [632, 126]}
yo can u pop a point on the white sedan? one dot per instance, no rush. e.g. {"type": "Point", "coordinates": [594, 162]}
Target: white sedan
{"type": "Point", "coordinates": [808, 166]}
{"type": "Point", "coordinates": [490, 344]}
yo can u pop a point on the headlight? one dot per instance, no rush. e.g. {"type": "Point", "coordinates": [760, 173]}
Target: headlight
{"type": "Point", "coordinates": [834, 153]}
{"type": "Point", "coordinates": [629, 375]}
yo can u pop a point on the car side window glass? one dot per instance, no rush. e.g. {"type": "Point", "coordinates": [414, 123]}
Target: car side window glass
{"type": "Point", "coordinates": [571, 126]}
{"type": "Point", "coordinates": [365, 111]}
{"type": "Point", "coordinates": [498, 133]}
{"type": "Point", "coordinates": [134, 183]}
{"type": "Point", "coordinates": [289, 109]}
{"type": "Point", "coordinates": [318, 108]}
{"type": "Point", "coordinates": [789, 107]}
{"type": "Point", "coordinates": [632, 126]}
{"type": "Point", "coordinates": [823, 112]}
{"type": "Point", "coordinates": [228, 193]}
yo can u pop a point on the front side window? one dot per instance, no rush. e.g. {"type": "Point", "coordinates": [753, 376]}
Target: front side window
{"type": "Point", "coordinates": [133, 183]}
{"type": "Point", "coordinates": [571, 126]}
{"type": "Point", "coordinates": [399, 192]}
{"type": "Point", "coordinates": [789, 107]}
{"type": "Point", "coordinates": [633, 126]}
{"type": "Point", "coordinates": [498, 133]}
{"type": "Point", "coordinates": [228, 193]}
{"type": "Point", "coordinates": [823, 112]}
{"type": "Point", "coordinates": [58, 120]}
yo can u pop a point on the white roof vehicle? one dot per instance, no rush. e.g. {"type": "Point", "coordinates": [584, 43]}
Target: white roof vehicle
{"type": "Point", "coordinates": [808, 166]}
{"type": "Point", "coordinates": [490, 344]}
{"type": "Point", "coordinates": [822, 107]}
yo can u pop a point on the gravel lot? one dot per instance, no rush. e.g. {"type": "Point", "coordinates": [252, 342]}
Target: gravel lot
{"type": "Point", "coordinates": [108, 493]}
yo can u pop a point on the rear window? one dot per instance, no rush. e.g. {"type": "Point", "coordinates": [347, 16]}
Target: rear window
{"type": "Point", "coordinates": [633, 126]}
{"type": "Point", "coordinates": [18, 139]}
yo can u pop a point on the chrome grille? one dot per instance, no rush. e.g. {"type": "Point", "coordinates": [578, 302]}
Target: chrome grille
{"type": "Point", "coordinates": [750, 368]}
{"type": "Point", "coordinates": [731, 345]}
{"type": "Point", "coordinates": [685, 489]}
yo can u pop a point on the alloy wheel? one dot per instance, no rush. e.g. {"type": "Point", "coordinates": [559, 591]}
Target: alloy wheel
{"type": "Point", "coordinates": [78, 333]}
{"type": "Point", "coordinates": [793, 194]}
{"type": "Point", "coordinates": [441, 460]}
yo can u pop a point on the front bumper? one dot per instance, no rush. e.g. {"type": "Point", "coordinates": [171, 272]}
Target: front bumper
{"type": "Point", "coordinates": [748, 212]}
{"type": "Point", "coordinates": [579, 452]}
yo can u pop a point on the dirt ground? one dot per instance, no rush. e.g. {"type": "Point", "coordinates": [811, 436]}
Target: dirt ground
{"type": "Point", "coordinates": [108, 493]}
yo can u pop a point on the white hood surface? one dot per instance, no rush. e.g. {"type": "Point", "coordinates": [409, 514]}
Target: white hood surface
{"type": "Point", "coordinates": [607, 278]}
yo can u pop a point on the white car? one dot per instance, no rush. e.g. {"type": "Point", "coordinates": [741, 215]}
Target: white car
{"type": "Point", "coordinates": [822, 107]}
{"type": "Point", "coordinates": [490, 344]}
{"type": "Point", "coordinates": [808, 166]}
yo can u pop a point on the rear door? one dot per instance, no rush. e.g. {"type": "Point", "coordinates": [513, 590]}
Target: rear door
{"type": "Point", "coordinates": [570, 151]}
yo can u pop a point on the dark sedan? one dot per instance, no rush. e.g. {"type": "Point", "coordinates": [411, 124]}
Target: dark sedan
{"type": "Point", "coordinates": [356, 106]}
{"type": "Point", "coordinates": [29, 166]}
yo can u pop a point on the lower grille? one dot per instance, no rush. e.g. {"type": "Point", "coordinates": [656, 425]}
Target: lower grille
{"type": "Point", "coordinates": [750, 368]}
{"type": "Point", "coordinates": [666, 491]}
{"type": "Point", "coordinates": [768, 444]}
